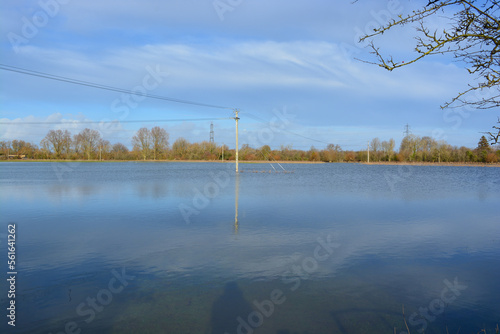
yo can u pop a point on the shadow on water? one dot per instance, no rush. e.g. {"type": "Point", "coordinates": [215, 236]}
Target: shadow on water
{"type": "Point", "coordinates": [227, 308]}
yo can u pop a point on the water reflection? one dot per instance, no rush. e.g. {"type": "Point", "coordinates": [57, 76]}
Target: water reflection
{"type": "Point", "coordinates": [226, 310]}
{"type": "Point", "coordinates": [437, 223]}
{"type": "Point", "coordinates": [236, 200]}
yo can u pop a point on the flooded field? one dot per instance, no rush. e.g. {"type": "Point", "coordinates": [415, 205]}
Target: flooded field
{"type": "Point", "coordinates": [196, 248]}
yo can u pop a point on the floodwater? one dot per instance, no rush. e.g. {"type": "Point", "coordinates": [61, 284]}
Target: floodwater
{"type": "Point", "coordinates": [195, 248]}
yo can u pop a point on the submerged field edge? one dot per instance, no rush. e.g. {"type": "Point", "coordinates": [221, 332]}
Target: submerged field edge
{"type": "Point", "coordinates": [391, 163]}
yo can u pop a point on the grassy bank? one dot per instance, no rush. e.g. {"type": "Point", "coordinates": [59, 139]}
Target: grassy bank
{"type": "Point", "coordinates": [456, 164]}
{"type": "Point", "coordinates": [391, 163]}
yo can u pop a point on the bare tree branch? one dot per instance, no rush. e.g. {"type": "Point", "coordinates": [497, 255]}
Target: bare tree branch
{"type": "Point", "coordinates": [473, 39]}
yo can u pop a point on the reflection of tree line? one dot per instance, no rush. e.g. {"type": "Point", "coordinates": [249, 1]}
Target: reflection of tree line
{"type": "Point", "coordinates": [142, 189]}
{"type": "Point", "coordinates": [154, 145]}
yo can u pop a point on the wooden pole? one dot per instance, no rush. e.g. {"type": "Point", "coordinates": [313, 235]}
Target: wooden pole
{"type": "Point", "coordinates": [237, 147]}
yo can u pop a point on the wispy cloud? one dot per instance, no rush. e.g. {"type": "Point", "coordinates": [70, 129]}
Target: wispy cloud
{"type": "Point", "coordinates": [262, 56]}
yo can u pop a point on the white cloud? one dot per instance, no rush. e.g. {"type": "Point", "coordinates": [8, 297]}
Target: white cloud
{"type": "Point", "coordinates": [33, 129]}
{"type": "Point", "coordinates": [263, 55]}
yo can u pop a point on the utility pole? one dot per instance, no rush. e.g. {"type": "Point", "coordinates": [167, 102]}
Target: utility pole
{"type": "Point", "coordinates": [368, 151]}
{"type": "Point", "coordinates": [100, 152]}
{"type": "Point", "coordinates": [222, 152]}
{"type": "Point", "coordinates": [236, 118]}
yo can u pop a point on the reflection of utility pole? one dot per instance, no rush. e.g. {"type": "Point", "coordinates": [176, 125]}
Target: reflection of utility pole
{"type": "Point", "coordinates": [236, 200]}
{"type": "Point", "coordinates": [236, 118]}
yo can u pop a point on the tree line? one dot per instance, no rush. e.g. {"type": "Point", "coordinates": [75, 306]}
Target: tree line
{"type": "Point", "coordinates": [153, 144]}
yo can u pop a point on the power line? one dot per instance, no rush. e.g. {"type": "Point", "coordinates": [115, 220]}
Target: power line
{"type": "Point", "coordinates": [290, 132]}
{"type": "Point", "coordinates": [117, 122]}
{"type": "Point", "coordinates": [99, 86]}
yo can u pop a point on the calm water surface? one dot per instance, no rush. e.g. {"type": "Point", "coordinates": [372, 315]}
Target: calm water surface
{"type": "Point", "coordinates": [195, 248]}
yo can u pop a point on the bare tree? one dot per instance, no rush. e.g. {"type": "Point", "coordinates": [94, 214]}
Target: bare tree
{"type": "Point", "coordinates": [180, 148]}
{"type": "Point", "coordinates": [472, 38]}
{"type": "Point", "coordinates": [88, 141]}
{"type": "Point", "coordinates": [375, 148]}
{"type": "Point", "coordinates": [104, 148]}
{"type": "Point", "coordinates": [159, 139]}
{"type": "Point", "coordinates": [142, 142]}
{"type": "Point", "coordinates": [5, 147]}
{"type": "Point", "coordinates": [119, 151]}
{"type": "Point", "coordinates": [388, 148]}
{"type": "Point", "coordinates": [409, 146]}
{"type": "Point", "coordinates": [58, 141]}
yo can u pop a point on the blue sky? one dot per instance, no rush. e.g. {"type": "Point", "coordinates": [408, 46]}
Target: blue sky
{"type": "Point", "coordinates": [289, 66]}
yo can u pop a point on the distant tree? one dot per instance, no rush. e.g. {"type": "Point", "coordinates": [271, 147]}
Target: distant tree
{"type": "Point", "coordinates": [375, 147]}
{"type": "Point", "coordinates": [5, 147]}
{"type": "Point", "coordinates": [159, 141]}
{"type": "Point", "coordinates": [180, 148]}
{"type": "Point", "coordinates": [350, 156]}
{"type": "Point", "coordinates": [87, 142]}
{"type": "Point", "coordinates": [427, 148]}
{"type": "Point", "coordinates": [248, 153]}
{"type": "Point", "coordinates": [444, 151]}
{"type": "Point", "coordinates": [470, 35]}
{"type": "Point", "coordinates": [207, 150]}
{"type": "Point", "coordinates": [223, 152]}
{"type": "Point", "coordinates": [119, 151]}
{"type": "Point", "coordinates": [331, 153]}
{"type": "Point", "coordinates": [142, 142]}
{"type": "Point", "coordinates": [313, 154]}
{"type": "Point", "coordinates": [265, 152]}
{"type": "Point", "coordinates": [57, 141]}
{"type": "Point", "coordinates": [25, 148]}
{"type": "Point", "coordinates": [104, 148]}
{"type": "Point", "coordinates": [409, 146]}
{"type": "Point", "coordinates": [388, 148]}
{"type": "Point", "coordinates": [483, 149]}
{"type": "Point", "coordinates": [286, 152]}
{"type": "Point", "coordinates": [483, 144]}
{"type": "Point", "coordinates": [20, 147]}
